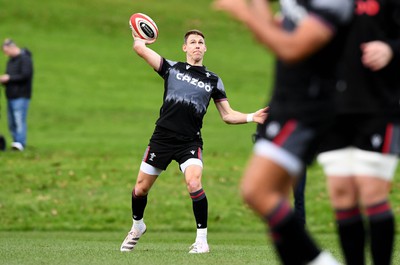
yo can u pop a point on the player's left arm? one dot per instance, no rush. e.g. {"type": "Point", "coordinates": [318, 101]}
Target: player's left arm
{"type": "Point", "coordinates": [376, 55]}
{"type": "Point", "coordinates": [231, 116]}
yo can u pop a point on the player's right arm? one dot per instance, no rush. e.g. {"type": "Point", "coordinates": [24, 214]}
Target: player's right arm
{"type": "Point", "coordinates": [150, 56]}
{"type": "Point", "coordinates": [309, 36]}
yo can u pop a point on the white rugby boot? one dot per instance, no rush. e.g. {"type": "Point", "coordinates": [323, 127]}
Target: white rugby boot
{"type": "Point", "coordinates": [133, 236]}
{"type": "Point", "coordinates": [199, 247]}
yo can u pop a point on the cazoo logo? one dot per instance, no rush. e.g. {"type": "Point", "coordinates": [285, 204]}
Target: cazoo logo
{"type": "Point", "coordinates": [193, 81]}
{"type": "Point", "coordinates": [368, 7]}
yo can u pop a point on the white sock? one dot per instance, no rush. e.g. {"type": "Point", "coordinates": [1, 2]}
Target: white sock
{"type": "Point", "coordinates": [201, 235]}
{"type": "Point", "coordinates": [138, 224]}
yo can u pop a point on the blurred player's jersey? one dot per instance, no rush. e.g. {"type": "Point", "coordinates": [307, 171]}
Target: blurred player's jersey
{"type": "Point", "coordinates": [366, 91]}
{"type": "Point", "coordinates": [305, 89]}
{"type": "Point", "coordinates": [187, 93]}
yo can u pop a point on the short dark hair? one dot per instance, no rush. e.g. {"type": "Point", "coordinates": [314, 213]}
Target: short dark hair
{"type": "Point", "coordinates": [193, 32]}
{"type": "Point", "coordinates": [8, 42]}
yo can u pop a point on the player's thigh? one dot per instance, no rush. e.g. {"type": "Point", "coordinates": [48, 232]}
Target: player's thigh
{"type": "Point", "coordinates": [298, 137]}
{"type": "Point", "coordinates": [264, 183]}
{"type": "Point", "coordinates": [343, 192]}
{"type": "Point", "coordinates": [144, 182]}
{"type": "Point", "coordinates": [374, 172]}
{"type": "Point", "coordinates": [372, 190]}
{"type": "Point", "coordinates": [188, 154]}
{"type": "Point", "coordinates": [193, 173]}
{"type": "Point", "coordinates": [379, 134]}
{"type": "Point", "coordinates": [158, 156]}
{"type": "Point", "coordinates": [338, 168]}
{"type": "Point", "coordinates": [189, 157]}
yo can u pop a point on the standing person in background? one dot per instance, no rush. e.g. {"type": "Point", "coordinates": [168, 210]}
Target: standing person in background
{"type": "Point", "coordinates": [18, 83]}
{"type": "Point", "coordinates": [360, 154]}
{"type": "Point", "coordinates": [188, 89]}
{"type": "Point", "coordinates": [307, 43]}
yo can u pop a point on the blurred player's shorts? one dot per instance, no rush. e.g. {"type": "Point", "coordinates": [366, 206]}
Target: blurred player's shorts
{"type": "Point", "coordinates": [2, 143]}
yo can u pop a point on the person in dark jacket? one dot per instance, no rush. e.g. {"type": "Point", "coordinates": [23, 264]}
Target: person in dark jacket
{"type": "Point", "coordinates": [18, 83]}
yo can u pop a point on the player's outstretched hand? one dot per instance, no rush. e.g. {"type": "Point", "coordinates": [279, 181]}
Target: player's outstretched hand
{"type": "Point", "coordinates": [261, 115]}
{"type": "Point", "coordinates": [136, 38]}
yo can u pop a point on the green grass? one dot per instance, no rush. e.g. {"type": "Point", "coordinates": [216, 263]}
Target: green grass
{"type": "Point", "coordinates": [154, 248]}
{"type": "Point", "coordinates": [92, 113]}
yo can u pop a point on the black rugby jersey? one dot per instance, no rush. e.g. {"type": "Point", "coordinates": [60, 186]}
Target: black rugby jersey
{"type": "Point", "coordinates": [363, 90]}
{"type": "Point", "coordinates": [187, 93]}
{"type": "Point", "coordinates": [306, 88]}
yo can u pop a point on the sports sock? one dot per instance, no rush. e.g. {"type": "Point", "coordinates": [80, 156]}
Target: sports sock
{"type": "Point", "coordinates": [138, 205]}
{"type": "Point", "coordinates": [351, 231]}
{"type": "Point", "coordinates": [381, 223]}
{"type": "Point", "coordinates": [200, 208]}
{"type": "Point", "coordinates": [289, 236]}
{"type": "Point", "coordinates": [138, 224]}
{"type": "Point", "coordinates": [201, 235]}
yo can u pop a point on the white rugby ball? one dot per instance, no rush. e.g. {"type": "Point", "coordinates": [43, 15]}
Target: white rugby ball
{"type": "Point", "coordinates": [143, 26]}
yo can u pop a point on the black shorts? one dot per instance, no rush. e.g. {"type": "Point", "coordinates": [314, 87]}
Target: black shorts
{"type": "Point", "coordinates": [298, 136]}
{"type": "Point", "coordinates": [166, 145]}
{"type": "Point", "coordinates": [376, 133]}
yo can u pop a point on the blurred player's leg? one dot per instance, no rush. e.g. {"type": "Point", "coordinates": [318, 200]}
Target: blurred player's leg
{"type": "Point", "coordinates": [299, 198]}
{"type": "Point", "coordinates": [350, 226]}
{"type": "Point", "coordinates": [139, 201]}
{"type": "Point", "coordinates": [381, 223]}
{"type": "Point", "coordinates": [265, 187]}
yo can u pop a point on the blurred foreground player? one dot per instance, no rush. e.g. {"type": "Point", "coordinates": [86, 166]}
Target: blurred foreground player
{"type": "Point", "coordinates": [361, 152]}
{"type": "Point", "coordinates": [307, 43]}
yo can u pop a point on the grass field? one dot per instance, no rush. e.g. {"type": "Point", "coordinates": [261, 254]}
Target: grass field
{"type": "Point", "coordinates": [155, 248]}
{"type": "Point", "coordinates": [66, 199]}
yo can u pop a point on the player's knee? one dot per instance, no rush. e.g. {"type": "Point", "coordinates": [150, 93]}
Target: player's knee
{"type": "Point", "coordinates": [193, 178]}
{"type": "Point", "coordinates": [248, 190]}
{"type": "Point", "coordinates": [372, 194]}
{"type": "Point", "coordinates": [193, 184]}
{"type": "Point", "coordinates": [141, 190]}
{"type": "Point", "coordinates": [342, 196]}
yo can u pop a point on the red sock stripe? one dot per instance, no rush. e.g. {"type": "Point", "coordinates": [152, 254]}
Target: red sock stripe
{"type": "Point", "coordinates": [197, 195]}
{"type": "Point", "coordinates": [286, 131]}
{"type": "Point", "coordinates": [347, 214]}
{"type": "Point", "coordinates": [388, 138]}
{"type": "Point", "coordinates": [378, 209]}
{"type": "Point", "coordinates": [275, 236]}
{"type": "Point", "coordinates": [281, 212]}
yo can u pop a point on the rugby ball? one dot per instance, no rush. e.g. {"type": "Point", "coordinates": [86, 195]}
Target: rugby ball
{"type": "Point", "coordinates": [143, 26]}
